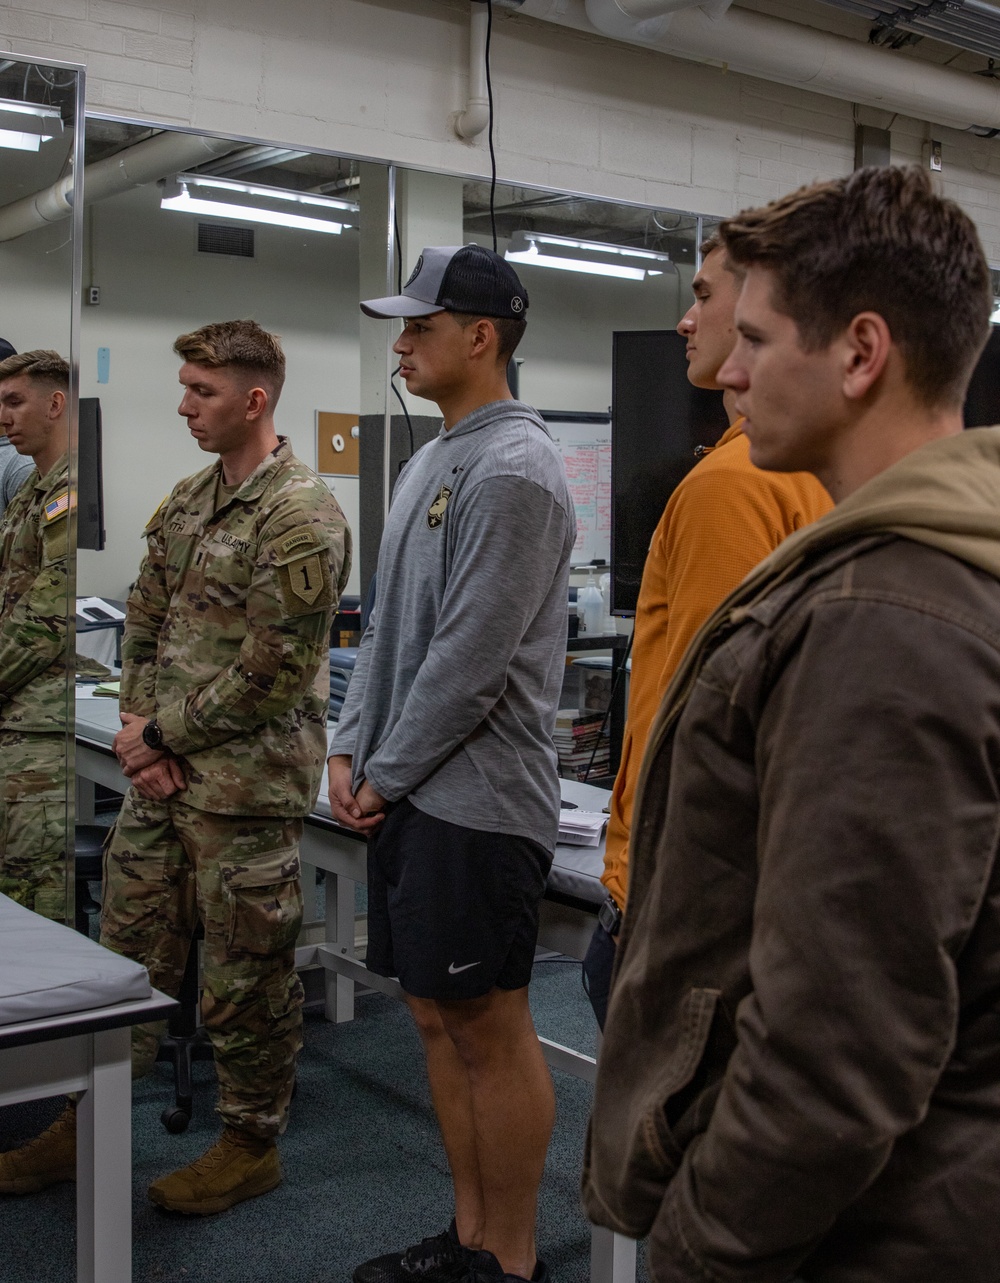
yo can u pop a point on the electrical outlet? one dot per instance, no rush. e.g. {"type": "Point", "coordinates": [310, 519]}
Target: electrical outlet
{"type": "Point", "coordinates": [935, 161]}
{"type": "Point", "coordinates": [93, 295]}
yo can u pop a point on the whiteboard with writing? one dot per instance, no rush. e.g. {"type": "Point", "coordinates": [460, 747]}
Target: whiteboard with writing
{"type": "Point", "coordinates": [585, 445]}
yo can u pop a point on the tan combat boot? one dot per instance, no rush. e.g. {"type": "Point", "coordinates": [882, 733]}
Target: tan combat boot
{"type": "Point", "coordinates": [44, 1161]}
{"type": "Point", "coordinates": [237, 1167]}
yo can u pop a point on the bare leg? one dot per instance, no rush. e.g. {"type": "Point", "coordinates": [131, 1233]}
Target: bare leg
{"type": "Point", "coordinates": [452, 1099]}
{"type": "Point", "coordinates": [513, 1110]}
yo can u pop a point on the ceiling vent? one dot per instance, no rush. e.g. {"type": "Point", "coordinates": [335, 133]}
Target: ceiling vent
{"type": "Point", "coordinates": [217, 238]}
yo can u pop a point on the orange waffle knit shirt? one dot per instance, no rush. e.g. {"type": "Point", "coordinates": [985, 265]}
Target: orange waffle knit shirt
{"type": "Point", "coordinates": [721, 521]}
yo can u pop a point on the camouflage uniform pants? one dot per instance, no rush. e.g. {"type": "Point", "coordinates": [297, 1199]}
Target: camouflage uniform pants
{"type": "Point", "coordinates": [33, 814]}
{"type": "Point", "coordinates": [166, 865]}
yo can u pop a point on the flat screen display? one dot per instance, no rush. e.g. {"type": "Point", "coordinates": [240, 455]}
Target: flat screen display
{"type": "Point", "coordinates": [90, 503]}
{"type": "Point", "coordinates": [658, 420]}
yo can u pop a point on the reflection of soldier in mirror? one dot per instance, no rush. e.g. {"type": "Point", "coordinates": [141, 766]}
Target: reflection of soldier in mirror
{"type": "Point", "coordinates": [14, 468]}
{"type": "Point", "coordinates": [224, 699]}
{"type": "Point", "coordinates": [34, 388]}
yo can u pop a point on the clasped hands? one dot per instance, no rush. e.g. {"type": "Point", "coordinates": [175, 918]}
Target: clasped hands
{"type": "Point", "coordinates": [362, 811]}
{"type": "Point", "coordinates": [152, 772]}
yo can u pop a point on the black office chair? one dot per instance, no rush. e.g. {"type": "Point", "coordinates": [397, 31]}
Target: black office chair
{"type": "Point", "coordinates": [185, 1042]}
{"type": "Point", "coordinates": [89, 850]}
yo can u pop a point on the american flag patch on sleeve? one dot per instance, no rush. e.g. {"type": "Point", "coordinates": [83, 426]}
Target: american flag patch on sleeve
{"type": "Point", "coordinates": [57, 507]}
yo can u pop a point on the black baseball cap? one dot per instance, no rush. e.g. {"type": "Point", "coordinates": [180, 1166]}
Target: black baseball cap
{"type": "Point", "coordinates": [6, 350]}
{"type": "Point", "coordinates": [456, 278]}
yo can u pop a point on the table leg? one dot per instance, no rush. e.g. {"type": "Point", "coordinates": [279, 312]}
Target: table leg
{"type": "Point", "coordinates": [339, 936]}
{"type": "Point", "coordinates": [86, 791]}
{"type": "Point", "coordinates": [612, 1257]}
{"type": "Point", "coordinates": [104, 1163]}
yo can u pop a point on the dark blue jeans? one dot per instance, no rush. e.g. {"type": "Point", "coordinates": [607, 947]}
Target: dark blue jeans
{"type": "Point", "coordinates": [597, 967]}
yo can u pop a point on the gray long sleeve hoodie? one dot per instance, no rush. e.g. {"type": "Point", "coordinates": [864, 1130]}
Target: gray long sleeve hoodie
{"type": "Point", "coordinates": [14, 471]}
{"type": "Point", "coordinates": [454, 693]}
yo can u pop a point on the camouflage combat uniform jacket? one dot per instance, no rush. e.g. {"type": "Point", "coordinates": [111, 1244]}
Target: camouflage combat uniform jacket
{"type": "Point", "coordinates": [227, 634]}
{"type": "Point", "coordinates": [34, 565]}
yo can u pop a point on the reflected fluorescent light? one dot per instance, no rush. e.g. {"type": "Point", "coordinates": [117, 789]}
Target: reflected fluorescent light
{"type": "Point", "coordinates": [596, 258]}
{"type": "Point", "coordinates": [24, 126]}
{"type": "Point", "coordinates": [222, 198]}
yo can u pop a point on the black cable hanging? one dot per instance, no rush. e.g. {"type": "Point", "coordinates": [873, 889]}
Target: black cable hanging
{"type": "Point", "coordinates": [607, 712]}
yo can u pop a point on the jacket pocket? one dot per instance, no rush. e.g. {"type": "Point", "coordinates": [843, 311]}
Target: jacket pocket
{"type": "Point", "coordinates": [683, 1081]}
{"type": "Point", "coordinates": [264, 904]}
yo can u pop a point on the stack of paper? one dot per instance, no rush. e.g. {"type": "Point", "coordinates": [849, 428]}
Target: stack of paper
{"type": "Point", "coordinates": [581, 828]}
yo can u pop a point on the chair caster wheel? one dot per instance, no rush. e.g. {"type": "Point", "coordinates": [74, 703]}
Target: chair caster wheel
{"type": "Point", "coordinates": [175, 1120]}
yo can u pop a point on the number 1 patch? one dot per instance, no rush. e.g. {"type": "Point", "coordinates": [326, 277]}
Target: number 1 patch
{"type": "Point", "coordinates": [307, 578]}
{"type": "Point", "coordinates": [305, 584]}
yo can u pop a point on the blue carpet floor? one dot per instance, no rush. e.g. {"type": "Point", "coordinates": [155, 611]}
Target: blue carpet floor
{"type": "Point", "coordinates": [365, 1171]}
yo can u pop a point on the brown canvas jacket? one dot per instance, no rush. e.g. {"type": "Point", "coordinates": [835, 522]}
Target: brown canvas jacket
{"type": "Point", "coordinates": [227, 634]}
{"type": "Point", "coordinates": [800, 1073]}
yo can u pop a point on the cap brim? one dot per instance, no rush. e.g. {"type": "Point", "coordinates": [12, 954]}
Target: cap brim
{"type": "Point", "coordinates": [398, 305]}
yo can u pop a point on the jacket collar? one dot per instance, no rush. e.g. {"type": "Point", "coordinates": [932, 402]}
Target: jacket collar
{"type": "Point", "coordinates": [257, 482]}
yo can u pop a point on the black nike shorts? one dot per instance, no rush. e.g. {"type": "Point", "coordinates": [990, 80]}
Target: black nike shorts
{"type": "Point", "coordinates": [453, 912]}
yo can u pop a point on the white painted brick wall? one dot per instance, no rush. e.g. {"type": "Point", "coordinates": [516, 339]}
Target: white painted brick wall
{"type": "Point", "coordinates": [386, 79]}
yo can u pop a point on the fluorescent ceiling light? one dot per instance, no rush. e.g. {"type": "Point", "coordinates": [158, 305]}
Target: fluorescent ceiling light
{"type": "Point", "coordinates": [222, 198]}
{"type": "Point", "coordinates": [995, 318]}
{"type": "Point", "coordinates": [596, 258]}
{"type": "Point", "coordinates": [24, 126]}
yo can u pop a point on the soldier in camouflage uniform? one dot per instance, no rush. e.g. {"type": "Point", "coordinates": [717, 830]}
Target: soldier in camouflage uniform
{"type": "Point", "coordinates": [224, 697]}
{"type": "Point", "coordinates": [33, 612]}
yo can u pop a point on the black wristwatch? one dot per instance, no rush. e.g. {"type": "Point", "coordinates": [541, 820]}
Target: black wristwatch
{"type": "Point", "coordinates": [152, 736]}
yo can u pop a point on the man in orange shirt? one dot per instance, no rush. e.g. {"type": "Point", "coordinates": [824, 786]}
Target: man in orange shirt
{"type": "Point", "coordinates": [721, 521]}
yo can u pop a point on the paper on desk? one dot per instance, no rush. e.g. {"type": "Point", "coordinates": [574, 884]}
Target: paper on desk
{"type": "Point", "coordinates": [581, 828]}
{"type": "Point", "coordinates": [84, 605]}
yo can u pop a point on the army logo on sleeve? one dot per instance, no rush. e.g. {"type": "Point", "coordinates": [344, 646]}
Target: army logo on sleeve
{"type": "Point", "coordinates": [304, 580]}
{"type": "Point", "coordinates": [435, 513]}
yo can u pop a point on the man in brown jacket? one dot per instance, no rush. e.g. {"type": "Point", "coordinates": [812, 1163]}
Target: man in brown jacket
{"type": "Point", "coordinates": [801, 1068]}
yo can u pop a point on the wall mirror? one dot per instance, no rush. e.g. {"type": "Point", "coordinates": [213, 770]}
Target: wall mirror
{"type": "Point", "coordinates": [41, 103]}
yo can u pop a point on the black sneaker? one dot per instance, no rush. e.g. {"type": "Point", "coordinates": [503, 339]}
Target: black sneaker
{"type": "Point", "coordinates": [483, 1267]}
{"type": "Point", "coordinates": [433, 1260]}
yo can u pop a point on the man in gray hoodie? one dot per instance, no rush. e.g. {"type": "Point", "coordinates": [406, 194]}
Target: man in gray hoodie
{"type": "Point", "coordinates": [801, 1067]}
{"type": "Point", "coordinates": [14, 467]}
{"type": "Point", "coordinates": [444, 752]}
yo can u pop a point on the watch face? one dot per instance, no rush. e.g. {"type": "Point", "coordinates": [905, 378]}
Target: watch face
{"type": "Point", "coordinates": [152, 736]}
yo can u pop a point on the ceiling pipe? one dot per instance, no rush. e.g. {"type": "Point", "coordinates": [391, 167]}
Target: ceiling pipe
{"type": "Point", "coordinates": [791, 54]}
{"type": "Point", "coordinates": [471, 122]}
{"type": "Point", "coordinates": [146, 162]}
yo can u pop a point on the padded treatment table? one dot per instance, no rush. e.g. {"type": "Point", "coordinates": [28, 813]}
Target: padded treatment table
{"type": "Point", "coordinates": [66, 1005]}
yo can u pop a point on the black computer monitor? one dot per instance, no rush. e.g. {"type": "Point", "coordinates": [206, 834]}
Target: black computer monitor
{"type": "Point", "coordinates": [657, 422]}
{"type": "Point", "coordinates": [982, 405]}
{"type": "Point", "coordinates": [90, 487]}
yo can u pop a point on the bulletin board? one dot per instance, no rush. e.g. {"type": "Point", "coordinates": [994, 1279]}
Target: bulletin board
{"type": "Point", "coordinates": [584, 440]}
{"type": "Point", "coordinates": [337, 446]}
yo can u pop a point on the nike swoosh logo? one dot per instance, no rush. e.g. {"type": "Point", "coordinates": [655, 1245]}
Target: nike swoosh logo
{"type": "Point", "coordinates": [453, 970]}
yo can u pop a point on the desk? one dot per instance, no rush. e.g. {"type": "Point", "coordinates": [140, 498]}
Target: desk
{"type": "Point", "coordinates": [50, 1052]}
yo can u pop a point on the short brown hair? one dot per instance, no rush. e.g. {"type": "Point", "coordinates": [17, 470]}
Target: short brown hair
{"type": "Point", "coordinates": [242, 345]}
{"type": "Point", "coordinates": [510, 331]}
{"type": "Point", "coordinates": [881, 240]}
{"type": "Point", "coordinates": [709, 244]}
{"type": "Point", "coordinates": [41, 366]}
